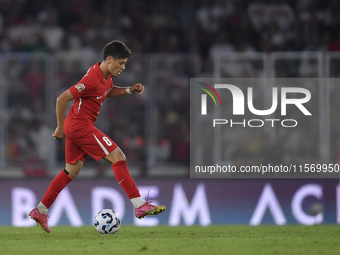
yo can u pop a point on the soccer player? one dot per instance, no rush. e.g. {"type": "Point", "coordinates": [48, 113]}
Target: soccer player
{"type": "Point", "coordinates": [82, 138]}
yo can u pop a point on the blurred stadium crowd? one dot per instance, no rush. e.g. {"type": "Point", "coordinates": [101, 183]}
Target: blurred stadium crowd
{"type": "Point", "coordinates": [170, 26]}
{"type": "Point", "coordinates": [78, 29]}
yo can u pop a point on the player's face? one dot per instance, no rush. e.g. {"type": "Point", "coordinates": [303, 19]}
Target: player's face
{"type": "Point", "coordinates": [116, 66]}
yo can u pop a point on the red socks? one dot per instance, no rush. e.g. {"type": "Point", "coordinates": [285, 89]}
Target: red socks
{"type": "Point", "coordinates": [124, 179]}
{"type": "Point", "coordinates": [57, 184]}
{"type": "Point", "coordinates": [119, 169]}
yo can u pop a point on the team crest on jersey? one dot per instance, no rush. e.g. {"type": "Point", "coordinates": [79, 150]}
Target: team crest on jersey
{"type": "Point", "coordinates": [80, 86]}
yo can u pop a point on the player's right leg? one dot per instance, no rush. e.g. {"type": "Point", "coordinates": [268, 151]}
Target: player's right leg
{"type": "Point", "coordinates": [75, 158]}
{"type": "Point", "coordinates": [39, 214]}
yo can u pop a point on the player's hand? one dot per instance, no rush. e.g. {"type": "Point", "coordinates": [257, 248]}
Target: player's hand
{"type": "Point", "coordinates": [58, 133]}
{"type": "Point", "coordinates": [137, 88]}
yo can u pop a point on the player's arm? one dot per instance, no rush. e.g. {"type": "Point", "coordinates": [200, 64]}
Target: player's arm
{"type": "Point", "coordinates": [61, 106]}
{"type": "Point", "coordinates": [120, 91]}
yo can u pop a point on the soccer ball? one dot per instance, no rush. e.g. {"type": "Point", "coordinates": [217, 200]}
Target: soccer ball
{"type": "Point", "coordinates": [107, 222]}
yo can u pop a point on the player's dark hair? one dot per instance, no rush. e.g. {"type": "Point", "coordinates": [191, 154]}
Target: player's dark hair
{"type": "Point", "coordinates": [116, 49]}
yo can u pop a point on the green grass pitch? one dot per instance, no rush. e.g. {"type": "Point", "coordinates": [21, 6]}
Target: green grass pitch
{"type": "Point", "coordinates": [323, 239]}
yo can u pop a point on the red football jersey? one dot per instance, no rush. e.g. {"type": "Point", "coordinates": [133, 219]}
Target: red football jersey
{"type": "Point", "coordinates": [89, 94]}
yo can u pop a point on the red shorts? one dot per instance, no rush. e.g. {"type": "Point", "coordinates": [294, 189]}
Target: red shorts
{"type": "Point", "coordinates": [95, 143]}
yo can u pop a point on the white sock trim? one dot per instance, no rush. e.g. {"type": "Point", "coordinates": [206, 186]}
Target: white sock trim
{"type": "Point", "coordinates": [42, 208]}
{"type": "Point", "coordinates": [137, 201]}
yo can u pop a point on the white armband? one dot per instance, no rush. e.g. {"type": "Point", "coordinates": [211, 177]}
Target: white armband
{"type": "Point", "coordinates": [128, 90]}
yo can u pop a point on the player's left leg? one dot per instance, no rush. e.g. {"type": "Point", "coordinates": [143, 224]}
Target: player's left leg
{"type": "Point", "coordinates": [119, 166]}
{"type": "Point", "coordinates": [99, 146]}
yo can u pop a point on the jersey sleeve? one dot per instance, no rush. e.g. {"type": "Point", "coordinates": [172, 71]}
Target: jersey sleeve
{"type": "Point", "coordinates": [84, 88]}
